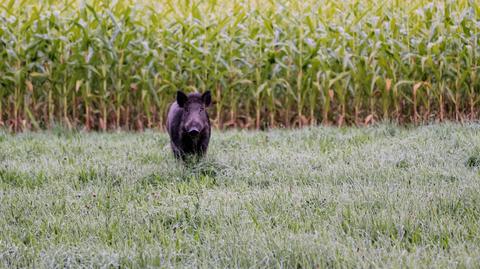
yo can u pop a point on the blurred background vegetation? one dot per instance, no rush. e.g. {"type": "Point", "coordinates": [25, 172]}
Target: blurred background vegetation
{"type": "Point", "coordinates": [117, 64]}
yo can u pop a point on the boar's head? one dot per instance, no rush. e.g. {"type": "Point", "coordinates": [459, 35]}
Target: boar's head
{"type": "Point", "coordinates": [195, 118]}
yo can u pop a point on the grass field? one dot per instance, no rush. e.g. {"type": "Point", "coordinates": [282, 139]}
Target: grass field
{"type": "Point", "coordinates": [374, 197]}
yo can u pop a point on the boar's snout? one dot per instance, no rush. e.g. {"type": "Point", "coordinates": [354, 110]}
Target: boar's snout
{"type": "Point", "coordinates": [193, 131]}
{"type": "Point", "coordinates": [193, 127]}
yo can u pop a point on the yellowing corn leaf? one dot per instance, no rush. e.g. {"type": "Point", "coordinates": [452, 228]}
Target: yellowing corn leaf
{"type": "Point", "coordinates": [330, 93]}
{"type": "Point", "coordinates": [369, 119]}
{"type": "Point", "coordinates": [416, 87]}
{"type": "Point", "coordinates": [388, 84]}
{"type": "Point", "coordinates": [78, 84]}
{"type": "Point", "coordinates": [133, 87]}
{"type": "Point", "coordinates": [29, 85]}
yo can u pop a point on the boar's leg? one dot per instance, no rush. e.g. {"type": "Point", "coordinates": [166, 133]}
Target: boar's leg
{"type": "Point", "coordinates": [176, 151]}
{"type": "Point", "coordinates": [202, 149]}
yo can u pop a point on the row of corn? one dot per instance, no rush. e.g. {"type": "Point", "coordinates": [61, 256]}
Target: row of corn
{"type": "Point", "coordinates": [117, 64]}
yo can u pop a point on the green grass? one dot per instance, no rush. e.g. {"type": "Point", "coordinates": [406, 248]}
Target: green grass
{"type": "Point", "coordinates": [374, 197]}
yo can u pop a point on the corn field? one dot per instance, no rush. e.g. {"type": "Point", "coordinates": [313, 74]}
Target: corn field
{"type": "Point", "coordinates": [107, 65]}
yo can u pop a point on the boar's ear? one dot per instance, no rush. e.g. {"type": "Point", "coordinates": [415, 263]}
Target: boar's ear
{"type": "Point", "coordinates": [181, 98]}
{"type": "Point", "coordinates": [207, 98]}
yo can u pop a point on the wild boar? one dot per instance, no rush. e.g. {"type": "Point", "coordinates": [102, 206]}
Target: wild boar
{"type": "Point", "coordinates": [188, 124]}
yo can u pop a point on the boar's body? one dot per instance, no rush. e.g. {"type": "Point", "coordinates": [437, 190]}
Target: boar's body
{"type": "Point", "coordinates": [188, 125]}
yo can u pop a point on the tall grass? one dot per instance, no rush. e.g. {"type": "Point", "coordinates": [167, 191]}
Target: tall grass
{"type": "Point", "coordinates": [117, 64]}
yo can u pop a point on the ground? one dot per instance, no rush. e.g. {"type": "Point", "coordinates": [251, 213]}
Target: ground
{"type": "Point", "coordinates": [381, 196]}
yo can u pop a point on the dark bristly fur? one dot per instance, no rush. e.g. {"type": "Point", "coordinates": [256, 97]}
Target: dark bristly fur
{"type": "Point", "coordinates": [188, 125]}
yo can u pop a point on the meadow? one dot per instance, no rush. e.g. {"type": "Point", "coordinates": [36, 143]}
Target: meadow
{"type": "Point", "coordinates": [100, 64]}
{"type": "Point", "coordinates": [341, 191]}
{"type": "Point", "coordinates": [316, 197]}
